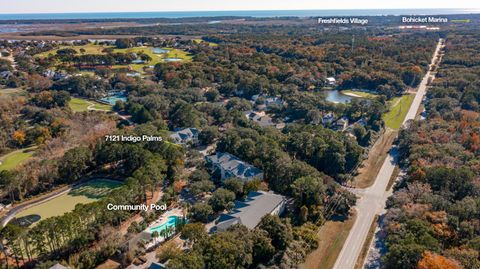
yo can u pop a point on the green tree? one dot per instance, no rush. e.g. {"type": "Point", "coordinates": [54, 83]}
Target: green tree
{"type": "Point", "coordinates": [222, 199]}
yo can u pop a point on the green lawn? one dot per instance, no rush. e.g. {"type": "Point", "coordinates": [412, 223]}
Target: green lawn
{"type": "Point", "coordinates": [83, 194]}
{"type": "Point", "coordinates": [11, 160]}
{"type": "Point", "coordinates": [211, 44]}
{"type": "Point", "coordinates": [81, 105]}
{"type": "Point", "coordinates": [360, 93]}
{"type": "Point", "coordinates": [78, 104]}
{"type": "Point", "coordinates": [98, 49]}
{"type": "Point", "coordinates": [399, 107]}
{"type": "Point", "coordinates": [101, 106]}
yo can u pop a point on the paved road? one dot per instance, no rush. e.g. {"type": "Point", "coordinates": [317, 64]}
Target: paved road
{"type": "Point", "coordinates": [373, 200]}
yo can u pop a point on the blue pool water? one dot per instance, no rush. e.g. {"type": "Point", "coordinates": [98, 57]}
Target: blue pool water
{"type": "Point", "coordinates": [114, 98]}
{"type": "Point", "coordinates": [171, 221]}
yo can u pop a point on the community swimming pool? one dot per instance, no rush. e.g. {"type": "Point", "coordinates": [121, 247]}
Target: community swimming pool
{"type": "Point", "coordinates": [112, 99]}
{"type": "Point", "coordinates": [171, 222]}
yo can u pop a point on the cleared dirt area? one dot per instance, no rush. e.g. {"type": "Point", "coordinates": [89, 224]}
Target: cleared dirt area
{"type": "Point", "coordinates": [370, 167]}
{"type": "Point", "coordinates": [331, 238]}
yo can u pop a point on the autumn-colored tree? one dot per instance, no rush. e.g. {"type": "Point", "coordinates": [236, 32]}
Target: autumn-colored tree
{"type": "Point", "coordinates": [19, 137]}
{"type": "Point", "coordinates": [432, 260]}
{"type": "Point", "coordinates": [37, 83]}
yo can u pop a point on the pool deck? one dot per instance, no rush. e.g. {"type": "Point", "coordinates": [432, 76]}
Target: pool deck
{"type": "Point", "coordinates": [164, 218]}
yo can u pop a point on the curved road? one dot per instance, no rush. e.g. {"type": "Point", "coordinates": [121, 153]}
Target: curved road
{"type": "Point", "coordinates": [373, 200]}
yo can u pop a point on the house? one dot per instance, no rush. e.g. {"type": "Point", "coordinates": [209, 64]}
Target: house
{"type": "Point", "coordinates": [262, 119]}
{"type": "Point", "coordinates": [264, 102]}
{"type": "Point", "coordinates": [185, 136]}
{"type": "Point", "coordinates": [227, 166]}
{"type": "Point", "coordinates": [132, 75]}
{"type": "Point", "coordinates": [331, 81]}
{"type": "Point", "coordinates": [328, 118]}
{"type": "Point", "coordinates": [59, 266]}
{"type": "Point", "coordinates": [49, 73]}
{"type": "Point", "coordinates": [5, 74]}
{"type": "Point", "coordinates": [252, 209]}
{"type": "Point", "coordinates": [341, 124]}
{"type": "Point", "coordinates": [362, 122]}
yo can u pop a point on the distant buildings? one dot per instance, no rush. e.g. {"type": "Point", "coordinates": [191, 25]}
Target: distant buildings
{"type": "Point", "coordinates": [227, 166]}
{"type": "Point", "coordinates": [331, 81]}
{"type": "Point", "coordinates": [185, 136]}
{"type": "Point", "coordinates": [250, 211]}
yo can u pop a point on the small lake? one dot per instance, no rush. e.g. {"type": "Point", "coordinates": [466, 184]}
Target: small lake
{"type": "Point", "coordinates": [172, 59]}
{"type": "Point", "coordinates": [336, 96]}
{"type": "Point", "coordinates": [159, 50]}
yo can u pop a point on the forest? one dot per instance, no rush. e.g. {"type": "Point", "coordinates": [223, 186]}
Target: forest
{"type": "Point", "coordinates": [433, 216]}
{"type": "Point", "coordinates": [305, 161]}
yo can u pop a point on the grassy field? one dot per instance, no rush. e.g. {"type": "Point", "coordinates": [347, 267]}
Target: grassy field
{"type": "Point", "coordinates": [89, 49]}
{"type": "Point", "coordinates": [11, 160]}
{"type": "Point", "coordinates": [100, 106]}
{"type": "Point", "coordinates": [81, 105]}
{"type": "Point", "coordinates": [98, 49]}
{"type": "Point", "coordinates": [211, 44]}
{"type": "Point", "coordinates": [360, 93]}
{"type": "Point", "coordinates": [398, 110]}
{"type": "Point", "coordinates": [368, 172]}
{"type": "Point", "coordinates": [331, 238]}
{"type": "Point", "coordinates": [83, 194]}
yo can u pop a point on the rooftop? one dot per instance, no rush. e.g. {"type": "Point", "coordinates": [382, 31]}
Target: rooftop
{"type": "Point", "coordinates": [234, 165]}
{"type": "Point", "coordinates": [250, 211]}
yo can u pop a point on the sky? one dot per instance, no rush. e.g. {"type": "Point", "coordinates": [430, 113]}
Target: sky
{"type": "Point", "coordinates": [68, 6]}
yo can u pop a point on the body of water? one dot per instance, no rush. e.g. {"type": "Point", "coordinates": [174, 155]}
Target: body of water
{"type": "Point", "coordinates": [336, 96]}
{"type": "Point", "coordinates": [171, 222]}
{"type": "Point", "coordinates": [239, 13]}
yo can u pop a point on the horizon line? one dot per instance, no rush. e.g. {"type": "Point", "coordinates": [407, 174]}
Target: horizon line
{"type": "Point", "coordinates": [234, 10]}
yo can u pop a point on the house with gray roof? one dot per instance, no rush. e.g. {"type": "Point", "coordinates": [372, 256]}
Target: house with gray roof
{"type": "Point", "coordinates": [252, 209]}
{"type": "Point", "coordinates": [185, 136]}
{"type": "Point", "coordinates": [228, 165]}
{"type": "Point", "coordinates": [59, 266]}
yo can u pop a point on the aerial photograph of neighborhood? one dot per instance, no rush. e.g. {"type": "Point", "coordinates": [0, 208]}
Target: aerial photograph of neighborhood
{"type": "Point", "coordinates": [233, 134]}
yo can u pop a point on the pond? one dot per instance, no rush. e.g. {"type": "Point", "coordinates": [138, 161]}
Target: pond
{"type": "Point", "coordinates": [159, 50]}
{"type": "Point", "coordinates": [336, 96]}
{"type": "Point", "coordinates": [172, 59]}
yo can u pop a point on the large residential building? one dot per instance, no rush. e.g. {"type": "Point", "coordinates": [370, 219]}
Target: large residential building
{"type": "Point", "coordinates": [262, 119]}
{"type": "Point", "coordinates": [250, 211]}
{"type": "Point", "coordinates": [185, 136]}
{"type": "Point", "coordinates": [227, 166]}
